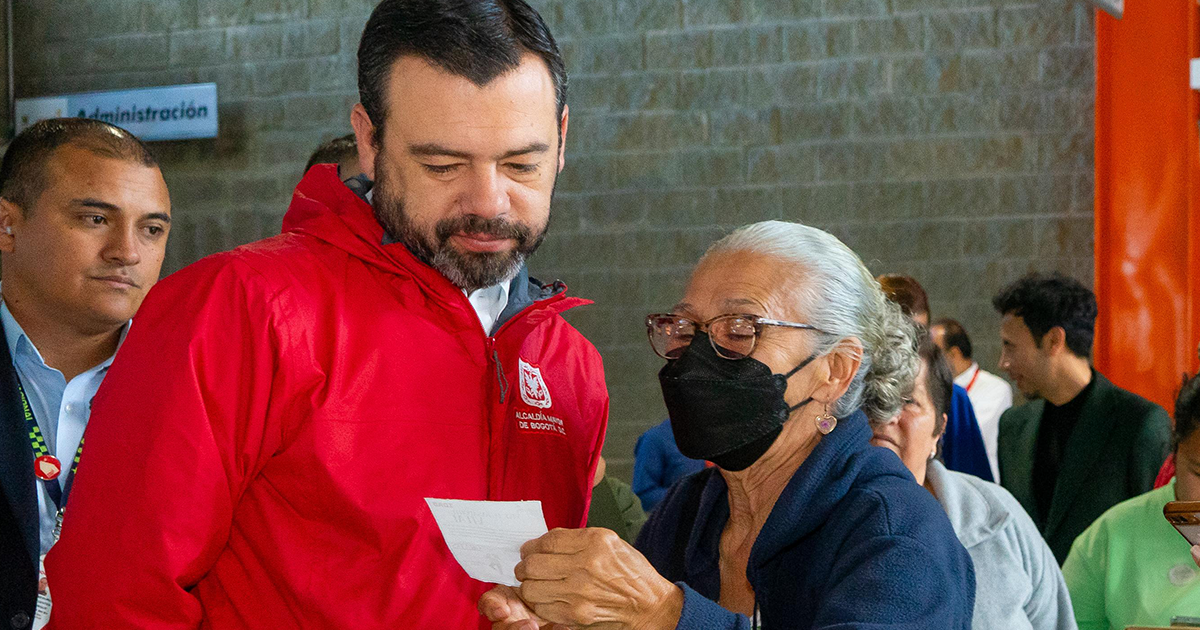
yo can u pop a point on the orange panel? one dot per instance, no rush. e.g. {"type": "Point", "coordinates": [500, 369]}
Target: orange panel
{"type": "Point", "coordinates": [1147, 178]}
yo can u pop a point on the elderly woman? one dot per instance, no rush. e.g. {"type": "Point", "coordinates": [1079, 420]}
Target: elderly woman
{"type": "Point", "coordinates": [780, 343]}
{"type": "Point", "coordinates": [1018, 583]}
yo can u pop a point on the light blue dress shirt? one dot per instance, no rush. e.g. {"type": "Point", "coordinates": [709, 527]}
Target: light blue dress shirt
{"type": "Point", "coordinates": [60, 408]}
{"type": "Point", "coordinates": [489, 303]}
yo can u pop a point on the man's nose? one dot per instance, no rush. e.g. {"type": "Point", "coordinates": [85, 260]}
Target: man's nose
{"type": "Point", "coordinates": [122, 246]}
{"type": "Point", "coordinates": [487, 196]}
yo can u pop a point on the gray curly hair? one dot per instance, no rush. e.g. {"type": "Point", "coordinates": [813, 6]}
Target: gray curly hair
{"type": "Point", "coordinates": [841, 297]}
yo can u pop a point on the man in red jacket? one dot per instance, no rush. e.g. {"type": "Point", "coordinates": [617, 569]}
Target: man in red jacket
{"type": "Point", "coordinates": [261, 450]}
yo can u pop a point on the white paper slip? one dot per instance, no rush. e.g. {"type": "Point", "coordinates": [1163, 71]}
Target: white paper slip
{"type": "Point", "coordinates": [486, 536]}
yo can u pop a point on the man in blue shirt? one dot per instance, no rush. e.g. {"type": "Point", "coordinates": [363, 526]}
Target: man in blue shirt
{"type": "Point", "coordinates": [84, 217]}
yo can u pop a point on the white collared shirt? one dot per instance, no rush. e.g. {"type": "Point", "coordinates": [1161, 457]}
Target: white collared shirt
{"type": "Point", "coordinates": [990, 396]}
{"type": "Point", "coordinates": [489, 303]}
{"type": "Point", "coordinates": [61, 409]}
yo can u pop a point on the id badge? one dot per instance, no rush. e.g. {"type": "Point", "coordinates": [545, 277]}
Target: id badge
{"type": "Point", "coordinates": [41, 614]}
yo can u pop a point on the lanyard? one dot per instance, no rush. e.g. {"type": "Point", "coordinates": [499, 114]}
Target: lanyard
{"type": "Point", "coordinates": [56, 493]}
{"type": "Point", "coordinates": [972, 383]}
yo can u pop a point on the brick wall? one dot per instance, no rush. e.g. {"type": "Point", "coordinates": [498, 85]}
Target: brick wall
{"type": "Point", "coordinates": [949, 139]}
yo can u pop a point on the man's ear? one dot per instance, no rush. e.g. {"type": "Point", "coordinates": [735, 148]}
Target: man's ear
{"type": "Point", "coordinates": [1055, 341]}
{"type": "Point", "coordinates": [11, 217]}
{"type": "Point", "coordinates": [562, 137]}
{"type": "Point", "coordinates": [364, 137]}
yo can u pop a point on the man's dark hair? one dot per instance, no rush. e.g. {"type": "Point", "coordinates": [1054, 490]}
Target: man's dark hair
{"type": "Point", "coordinates": [23, 175]}
{"type": "Point", "coordinates": [1046, 301]}
{"type": "Point", "coordinates": [334, 152]}
{"type": "Point", "coordinates": [1187, 410]}
{"type": "Point", "coordinates": [939, 380]}
{"type": "Point", "coordinates": [906, 292]}
{"type": "Point", "coordinates": [955, 336]}
{"type": "Point", "coordinates": [475, 39]}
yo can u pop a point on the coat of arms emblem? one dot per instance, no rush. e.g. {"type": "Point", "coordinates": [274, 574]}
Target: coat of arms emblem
{"type": "Point", "coordinates": [533, 387]}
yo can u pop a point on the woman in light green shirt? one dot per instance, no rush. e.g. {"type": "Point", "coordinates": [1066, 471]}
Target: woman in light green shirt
{"type": "Point", "coordinates": [1131, 568]}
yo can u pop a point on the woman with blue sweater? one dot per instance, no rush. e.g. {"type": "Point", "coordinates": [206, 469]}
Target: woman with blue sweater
{"type": "Point", "coordinates": [780, 343]}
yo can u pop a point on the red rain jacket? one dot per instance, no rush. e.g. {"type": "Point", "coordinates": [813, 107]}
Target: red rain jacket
{"type": "Point", "coordinates": [261, 449]}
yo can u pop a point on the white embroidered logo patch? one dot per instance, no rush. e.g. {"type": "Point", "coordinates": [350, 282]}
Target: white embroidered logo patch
{"type": "Point", "coordinates": [533, 387]}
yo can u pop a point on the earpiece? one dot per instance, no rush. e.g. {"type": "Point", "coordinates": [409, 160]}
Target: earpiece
{"type": "Point", "coordinates": [8, 230]}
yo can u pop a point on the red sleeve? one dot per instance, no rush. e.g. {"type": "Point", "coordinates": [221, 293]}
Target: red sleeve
{"type": "Point", "coordinates": [597, 447]}
{"type": "Point", "coordinates": [177, 429]}
{"type": "Point", "coordinates": [1166, 472]}
{"type": "Point", "coordinates": [598, 408]}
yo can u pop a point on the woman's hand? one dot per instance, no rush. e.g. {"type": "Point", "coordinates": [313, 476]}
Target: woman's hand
{"type": "Point", "coordinates": [590, 578]}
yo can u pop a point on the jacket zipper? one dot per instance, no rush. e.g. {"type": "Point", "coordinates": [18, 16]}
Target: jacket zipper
{"type": "Point", "coordinates": [494, 355]}
{"type": "Point", "coordinates": [501, 379]}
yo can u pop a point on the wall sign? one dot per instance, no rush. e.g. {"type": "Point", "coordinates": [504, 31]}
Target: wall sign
{"type": "Point", "coordinates": [176, 112]}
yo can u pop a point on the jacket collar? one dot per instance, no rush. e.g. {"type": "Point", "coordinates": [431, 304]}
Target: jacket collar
{"type": "Point", "coordinates": [329, 210]}
{"type": "Point", "coordinates": [16, 458]}
{"type": "Point", "coordinates": [818, 485]}
{"type": "Point", "coordinates": [976, 516]}
{"type": "Point", "coordinates": [803, 507]}
{"type": "Point", "coordinates": [1017, 460]}
{"type": "Point", "coordinates": [525, 291]}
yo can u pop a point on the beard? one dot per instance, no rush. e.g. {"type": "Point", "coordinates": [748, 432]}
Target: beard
{"type": "Point", "coordinates": [465, 269]}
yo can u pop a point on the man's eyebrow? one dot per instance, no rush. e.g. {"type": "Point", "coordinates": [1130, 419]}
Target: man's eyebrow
{"type": "Point", "coordinates": [89, 202]}
{"type": "Point", "coordinates": [432, 149]}
{"type": "Point", "coordinates": [158, 216]}
{"type": "Point", "coordinates": [436, 150]}
{"type": "Point", "coordinates": [534, 147]}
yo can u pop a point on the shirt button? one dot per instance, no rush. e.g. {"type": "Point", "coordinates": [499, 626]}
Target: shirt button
{"type": "Point", "coordinates": [70, 408]}
{"type": "Point", "coordinates": [20, 620]}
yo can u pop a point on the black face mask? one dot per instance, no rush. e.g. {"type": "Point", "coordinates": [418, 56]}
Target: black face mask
{"type": "Point", "coordinates": [726, 412]}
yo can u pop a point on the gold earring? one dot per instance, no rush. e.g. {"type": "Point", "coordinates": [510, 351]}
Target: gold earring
{"type": "Point", "coordinates": [826, 423]}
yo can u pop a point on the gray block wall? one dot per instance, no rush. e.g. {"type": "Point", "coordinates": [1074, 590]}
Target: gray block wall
{"type": "Point", "coordinates": [948, 139]}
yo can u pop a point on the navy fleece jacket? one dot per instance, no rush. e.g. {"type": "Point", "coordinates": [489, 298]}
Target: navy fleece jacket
{"type": "Point", "coordinates": [852, 543]}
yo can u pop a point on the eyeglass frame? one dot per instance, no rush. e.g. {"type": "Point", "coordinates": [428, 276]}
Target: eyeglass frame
{"type": "Point", "coordinates": [759, 323]}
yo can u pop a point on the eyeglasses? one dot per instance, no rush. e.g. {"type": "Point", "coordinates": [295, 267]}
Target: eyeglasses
{"type": "Point", "coordinates": [732, 336]}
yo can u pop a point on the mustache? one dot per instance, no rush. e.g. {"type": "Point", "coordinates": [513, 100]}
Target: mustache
{"type": "Point", "coordinates": [475, 224]}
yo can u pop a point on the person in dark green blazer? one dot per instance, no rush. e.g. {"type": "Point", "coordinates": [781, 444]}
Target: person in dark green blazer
{"type": "Point", "coordinates": [1081, 444]}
